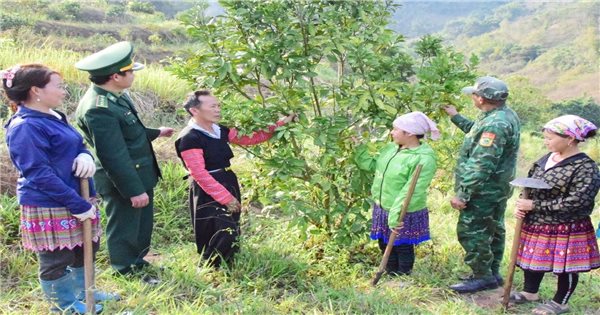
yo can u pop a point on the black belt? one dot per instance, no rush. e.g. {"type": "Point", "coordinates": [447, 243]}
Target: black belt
{"type": "Point", "coordinates": [224, 169]}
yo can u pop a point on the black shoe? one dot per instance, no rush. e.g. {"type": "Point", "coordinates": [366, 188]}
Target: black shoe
{"type": "Point", "coordinates": [498, 277]}
{"type": "Point", "coordinates": [475, 285]}
{"type": "Point", "coordinates": [150, 280]}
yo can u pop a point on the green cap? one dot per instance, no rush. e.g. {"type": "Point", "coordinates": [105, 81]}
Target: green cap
{"type": "Point", "coordinates": [112, 59]}
{"type": "Point", "coordinates": [489, 88]}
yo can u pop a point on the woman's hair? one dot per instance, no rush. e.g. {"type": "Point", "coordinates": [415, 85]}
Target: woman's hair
{"type": "Point", "coordinates": [193, 101]}
{"type": "Point", "coordinates": [22, 79]}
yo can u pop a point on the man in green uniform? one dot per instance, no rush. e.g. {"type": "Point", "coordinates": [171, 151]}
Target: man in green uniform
{"type": "Point", "coordinates": [127, 167]}
{"type": "Point", "coordinates": [486, 165]}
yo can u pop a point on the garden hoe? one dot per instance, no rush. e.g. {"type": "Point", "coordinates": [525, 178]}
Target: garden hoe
{"type": "Point", "coordinates": [88, 256]}
{"type": "Point", "coordinates": [527, 184]}
{"type": "Point", "coordinates": [390, 244]}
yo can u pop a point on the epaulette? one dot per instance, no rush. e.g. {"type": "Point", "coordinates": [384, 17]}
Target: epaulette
{"type": "Point", "coordinates": [101, 101]}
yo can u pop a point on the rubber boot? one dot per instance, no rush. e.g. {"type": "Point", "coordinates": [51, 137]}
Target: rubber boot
{"type": "Point", "coordinates": [392, 264]}
{"type": "Point", "coordinates": [79, 288]}
{"type": "Point", "coordinates": [60, 293]}
{"type": "Point", "coordinates": [406, 258]}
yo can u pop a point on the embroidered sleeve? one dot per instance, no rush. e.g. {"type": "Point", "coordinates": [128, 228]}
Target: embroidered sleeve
{"type": "Point", "coordinates": [194, 161]}
{"type": "Point", "coordinates": [256, 137]}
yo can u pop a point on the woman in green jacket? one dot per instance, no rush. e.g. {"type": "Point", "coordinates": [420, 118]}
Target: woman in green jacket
{"type": "Point", "coordinates": [394, 166]}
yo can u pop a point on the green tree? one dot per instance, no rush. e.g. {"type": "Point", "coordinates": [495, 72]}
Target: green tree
{"type": "Point", "coordinates": [336, 64]}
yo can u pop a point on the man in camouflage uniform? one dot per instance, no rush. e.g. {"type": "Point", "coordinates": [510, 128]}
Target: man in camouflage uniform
{"type": "Point", "coordinates": [127, 167]}
{"type": "Point", "coordinates": [486, 165]}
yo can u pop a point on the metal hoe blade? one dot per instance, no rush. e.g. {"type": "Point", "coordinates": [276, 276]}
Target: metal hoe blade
{"type": "Point", "coordinates": [528, 182]}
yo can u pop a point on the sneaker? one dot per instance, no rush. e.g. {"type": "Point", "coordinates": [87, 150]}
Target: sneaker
{"type": "Point", "coordinates": [475, 285]}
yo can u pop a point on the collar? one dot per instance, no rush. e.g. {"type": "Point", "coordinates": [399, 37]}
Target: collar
{"type": "Point", "coordinates": [572, 159]}
{"type": "Point", "coordinates": [501, 107]}
{"type": "Point", "coordinates": [24, 112]}
{"type": "Point", "coordinates": [113, 96]}
{"type": "Point", "coordinates": [216, 130]}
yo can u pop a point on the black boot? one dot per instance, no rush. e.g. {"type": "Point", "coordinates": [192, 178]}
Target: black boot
{"type": "Point", "coordinates": [392, 264]}
{"type": "Point", "coordinates": [475, 284]}
{"type": "Point", "coordinates": [406, 258]}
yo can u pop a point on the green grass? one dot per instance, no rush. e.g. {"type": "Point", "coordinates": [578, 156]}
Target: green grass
{"type": "Point", "coordinates": [277, 272]}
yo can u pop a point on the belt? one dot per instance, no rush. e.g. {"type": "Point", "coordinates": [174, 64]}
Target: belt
{"type": "Point", "coordinates": [224, 169]}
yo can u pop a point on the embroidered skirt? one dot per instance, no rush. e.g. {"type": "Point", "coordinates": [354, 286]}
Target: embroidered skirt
{"type": "Point", "coordinates": [415, 230]}
{"type": "Point", "coordinates": [47, 229]}
{"type": "Point", "coordinates": [559, 248]}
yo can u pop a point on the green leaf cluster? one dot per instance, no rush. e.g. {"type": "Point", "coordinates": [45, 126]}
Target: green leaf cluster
{"type": "Point", "coordinates": [338, 66]}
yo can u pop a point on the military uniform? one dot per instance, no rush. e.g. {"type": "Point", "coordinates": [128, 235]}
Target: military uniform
{"type": "Point", "coordinates": [486, 164]}
{"type": "Point", "coordinates": [125, 161]}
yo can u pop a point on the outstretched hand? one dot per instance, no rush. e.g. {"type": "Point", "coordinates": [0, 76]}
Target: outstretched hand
{"type": "Point", "coordinates": [450, 110]}
{"type": "Point", "coordinates": [289, 117]}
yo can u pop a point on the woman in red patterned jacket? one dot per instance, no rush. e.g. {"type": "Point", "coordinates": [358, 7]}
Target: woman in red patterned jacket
{"type": "Point", "coordinates": [558, 235]}
{"type": "Point", "coordinates": [215, 197]}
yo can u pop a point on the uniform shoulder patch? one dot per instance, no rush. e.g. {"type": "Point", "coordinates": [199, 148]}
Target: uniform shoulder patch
{"type": "Point", "coordinates": [487, 139]}
{"type": "Point", "coordinates": [101, 101]}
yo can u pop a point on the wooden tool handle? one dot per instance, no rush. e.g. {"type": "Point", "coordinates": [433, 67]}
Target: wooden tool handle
{"type": "Point", "coordinates": [88, 254]}
{"type": "Point", "coordinates": [513, 256]}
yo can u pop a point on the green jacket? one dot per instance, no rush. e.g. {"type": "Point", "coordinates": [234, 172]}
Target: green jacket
{"type": "Point", "coordinates": [125, 158]}
{"type": "Point", "coordinates": [488, 156]}
{"type": "Point", "coordinates": [393, 172]}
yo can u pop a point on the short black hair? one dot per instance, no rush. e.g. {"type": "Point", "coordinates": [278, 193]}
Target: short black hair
{"type": "Point", "coordinates": [193, 101]}
{"type": "Point", "coordinates": [101, 79]}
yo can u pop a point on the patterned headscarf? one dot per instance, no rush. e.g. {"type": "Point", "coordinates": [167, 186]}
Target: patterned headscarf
{"type": "Point", "coordinates": [570, 125]}
{"type": "Point", "coordinates": [417, 123]}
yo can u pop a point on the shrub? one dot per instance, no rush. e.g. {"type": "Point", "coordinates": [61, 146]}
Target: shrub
{"type": "Point", "coordinates": [141, 6]}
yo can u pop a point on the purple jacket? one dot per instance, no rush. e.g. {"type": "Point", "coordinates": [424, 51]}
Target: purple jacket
{"type": "Point", "coordinates": [42, 148]}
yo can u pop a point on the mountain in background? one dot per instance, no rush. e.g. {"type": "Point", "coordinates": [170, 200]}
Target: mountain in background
{"type": "Point", "coordinates": [555, 45]}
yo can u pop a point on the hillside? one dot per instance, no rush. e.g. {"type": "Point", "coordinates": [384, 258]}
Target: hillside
{"type": "Point", "coordinates": [553, 44]}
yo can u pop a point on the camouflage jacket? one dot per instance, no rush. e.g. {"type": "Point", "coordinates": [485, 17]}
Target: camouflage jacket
{"type": "Point", "coordinates": [488, 156]}
{"type": "Point", "coordinates": [575, 183]}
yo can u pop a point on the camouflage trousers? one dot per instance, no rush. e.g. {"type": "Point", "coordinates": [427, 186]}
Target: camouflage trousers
{"type": "Point", "coordinates": [481, 233]}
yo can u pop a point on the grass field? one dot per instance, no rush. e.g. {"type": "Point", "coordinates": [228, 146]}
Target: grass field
{"type": "Point", "coordinates": [277, 272]}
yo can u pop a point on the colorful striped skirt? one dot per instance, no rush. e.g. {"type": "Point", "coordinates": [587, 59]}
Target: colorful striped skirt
{"type": "Point", "coordinates": [559, 248]}
{"type": "Point", "coordinates": [47, 229]}
{"type": "Point", "coordinates": [415, 230]}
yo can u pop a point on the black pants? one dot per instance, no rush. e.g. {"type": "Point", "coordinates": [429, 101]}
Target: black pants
{"type": "Point", "coordinates": [402, 258]}
{"type": "Point", "coordinates": [53, 264]}
{"type": "Point", "coordinates": [216, 229]}
{"type": "Point", "coordinates": [567, 282]}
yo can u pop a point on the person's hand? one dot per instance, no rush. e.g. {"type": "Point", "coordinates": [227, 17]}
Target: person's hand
{"type": "Point", "coordinates": [519, 214]}
{"type": "Point", "coordinates": [84, 166]}
{"type": "Point", "coordinates": [450, 110]}
{"type": "Point", "coordinates": [234, 206]}
{"type": "Point", "coordinates": [398, 228]}
{"type": "Point", "coordinates": [140, 201]}
{"type": "Point", "coordinates": [166, 131]}
{"type": "Point", "coordinates": [524, 204]}
{"type": "Point", "coordinates": [90, 214]}
{"type": "Point", "coordinates": [457, 203]}
{"type": "Point", "coordinates": [289, 118]}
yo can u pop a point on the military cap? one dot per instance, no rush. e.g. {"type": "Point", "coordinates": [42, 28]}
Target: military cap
{"type": "Point", "coordinates": [112, 59]}
{"type": "Point", "coordinates": [489, 88]}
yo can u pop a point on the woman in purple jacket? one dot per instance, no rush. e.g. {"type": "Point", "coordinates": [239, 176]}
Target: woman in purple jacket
{"type": "Point", "coordinates": [50, 157]}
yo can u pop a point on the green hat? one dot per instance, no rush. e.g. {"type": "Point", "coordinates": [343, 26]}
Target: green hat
{"type": "Point", "coordinates": [489, 88]}
{"type": "Point", "coordinates": [112, 59]}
